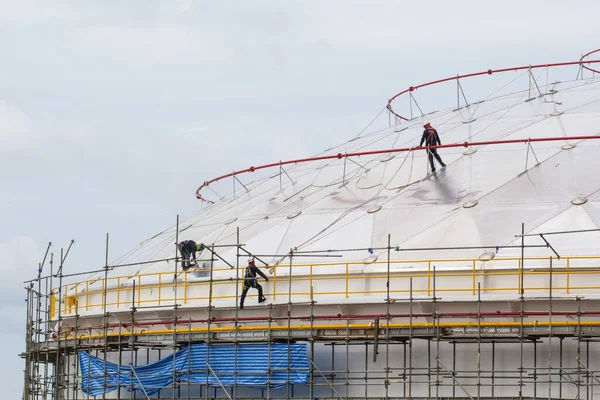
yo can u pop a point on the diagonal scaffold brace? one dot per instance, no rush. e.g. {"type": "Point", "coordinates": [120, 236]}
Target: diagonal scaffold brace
{"type": "Point", "coordinates": [217, 378]}
{"type": "Point", "coordinates": [324, 378]}
{"type": "Point", "coordinates": [214, 253]}
{"type": "Point", "coordinates": [139, 381]}
{"type": "Point", "coordinates": [452, 375]}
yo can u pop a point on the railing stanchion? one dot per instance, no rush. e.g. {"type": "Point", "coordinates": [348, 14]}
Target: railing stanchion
{"type": "Point", "coordinates": [519, 276]}
{"type": "Point", "coordinates": [428, 278]}
{"type": "Point", "coordinates": [274, 282]}
{"type": "Point", "coordinates": [346, 280]}
{"type": "Point", "coordinates": [474, 279]}
{"type": "Point", "coordinates": [568, 275]}
{"type": "Point", "coordinates": [311, 281]}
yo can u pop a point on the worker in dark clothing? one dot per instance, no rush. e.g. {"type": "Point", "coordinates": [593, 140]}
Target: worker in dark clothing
{"type": "Point", "coordinates": [431, 138]}
{"type": "Point", "coordinates": [188, 249]}
{"type": "Point", "coordinates": [250, 282]}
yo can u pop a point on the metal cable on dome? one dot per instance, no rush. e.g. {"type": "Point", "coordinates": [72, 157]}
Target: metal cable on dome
{"type": "Point", "coordinates": [369, 124]}
{"type": "Point", "coordinates": [345, 213]}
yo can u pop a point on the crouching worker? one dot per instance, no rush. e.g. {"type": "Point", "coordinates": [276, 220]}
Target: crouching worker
{"type": "Point", "coordinates": [250, 282]}
{"type": "Point", "coordinates": [188, 249]}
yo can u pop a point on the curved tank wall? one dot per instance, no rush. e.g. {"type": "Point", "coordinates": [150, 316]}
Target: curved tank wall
{"type": "Point", "coordinates": [451, 308]}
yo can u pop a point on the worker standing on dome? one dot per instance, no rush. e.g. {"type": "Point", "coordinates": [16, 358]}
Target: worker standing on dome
{"type": "Point", "coordinates": [431, 138]}
{"type": "Point", "coordinates": [250, 282]}
{"type": "Point", "coordinates": [188, 248]}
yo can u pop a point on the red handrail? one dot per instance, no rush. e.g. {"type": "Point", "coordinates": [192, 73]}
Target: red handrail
{"type": "Point", "coordinates": [411, 89]}
{"type": "Point", "coordinates": [374, 152]}
{"type": "Point", "coordinates": [587, 55]}
{"type": "Point", "coordinates": [490, 72]}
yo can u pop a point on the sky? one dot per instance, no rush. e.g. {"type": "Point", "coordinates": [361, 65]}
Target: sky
{"type": "Point", "coordinates": [113, 113]}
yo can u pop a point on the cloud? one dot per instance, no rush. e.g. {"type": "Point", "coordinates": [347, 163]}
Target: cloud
{"type": "Point", "coordinates": [18, 258]}
{"type": "Point", "coordinates": [17, 130]}
{"type": "Point", "coordinates": [33, 12]}
{"type": "Point", "coordinates": [162, 44]}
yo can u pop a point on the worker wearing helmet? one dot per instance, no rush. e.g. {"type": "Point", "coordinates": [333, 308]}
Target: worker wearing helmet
{"type": "Point", "coordinates": [250, 282]}
{"type": "Point", "coordinates": [188, 249]}
{"type": "Point", "coordinates": [431, 138]}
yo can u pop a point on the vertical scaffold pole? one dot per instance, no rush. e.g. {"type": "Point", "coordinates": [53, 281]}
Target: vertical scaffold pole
{"type": "Point", "coordinates": [269, 352]}
{"type": "Point", "coordinates": [404, 368]}
{"type": "Point", "coordinates": [236, 323]}
{"type": "Point", "coordinates": [52, 306]}
{"type": "Point", "coordinates": [478, 340]}
{"type": "Point", "coordinates": [67, 360]}
{"type": "Point", "coordinates": [312, 344]}
{"type": "Point", "coordinates": [132, 351]}
{"type": "Point", "coordinates": [76, 356]}
{"type": "Point", "coordinates": [550, 332]}
{"type": "Point", "coordinates": [387, 320]}
{"type": "Point", "coordinates": [60, 381]}
{"type": "Point", "coordinates": [410, 337]}
{"type": "Point", "coordinates": [27, 392]}
{"type": "Point", "coordinates": [57, 363]}
{"type": "Point", "coordinates": [208, 323]}
{"type": "Point", "coordinates": [493, 367]}
{"type": "Point", "coordinates": [578, 347]}
{"type": "Point", "coordinates": [105, 319]}
{"type": "Point", "coordinates": [521, 299]}
{"type": "Point", "coordinates": [366, 370]}
{"type": "Point", "coordinates": [42, 299]}
{"type": "Point", "coordinates": [189, 359]}
{"type": "Point", "coordinates": [49, 306]}
{"type": "Point", "coordinates": [535, 369]}
{"type": "Point", "coordinates": [289, 322]}
{"type": "Point", "coordinates": [332, 368]}
{"type": "Point", "coordinates": [435, 321]}
{"type": "Point", "coordinates": [175, 288]}
{"type": "Point", "coordinates": [454, 368]}
{"type": "Point", "coordinates": [347, 378]}
{"type": "Point", "coordinates": [588, 374]}
{"type": "Point", "coordinates": [37, 334]}
{"type": "Point", "coordinates": [120, 361]}
{"type": "Point", "coordinates": [560, 365]}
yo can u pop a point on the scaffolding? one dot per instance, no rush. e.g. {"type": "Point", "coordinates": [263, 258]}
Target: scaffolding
{"type": "Point", "coordinates": [385, 327]}
{"type": "Point", "coordinates": [412, 343]}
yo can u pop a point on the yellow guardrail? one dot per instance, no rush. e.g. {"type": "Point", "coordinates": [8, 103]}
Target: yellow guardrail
{"type": "Point", "coordinates": [150, 288]}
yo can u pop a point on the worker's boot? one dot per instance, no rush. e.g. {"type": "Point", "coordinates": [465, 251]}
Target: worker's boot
{"type": "Point", "coordinates": [261, 298]}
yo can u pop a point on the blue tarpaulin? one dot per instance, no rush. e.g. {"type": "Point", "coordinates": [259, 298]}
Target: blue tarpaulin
{"type": "Point", "coordinates": [249, 368]}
